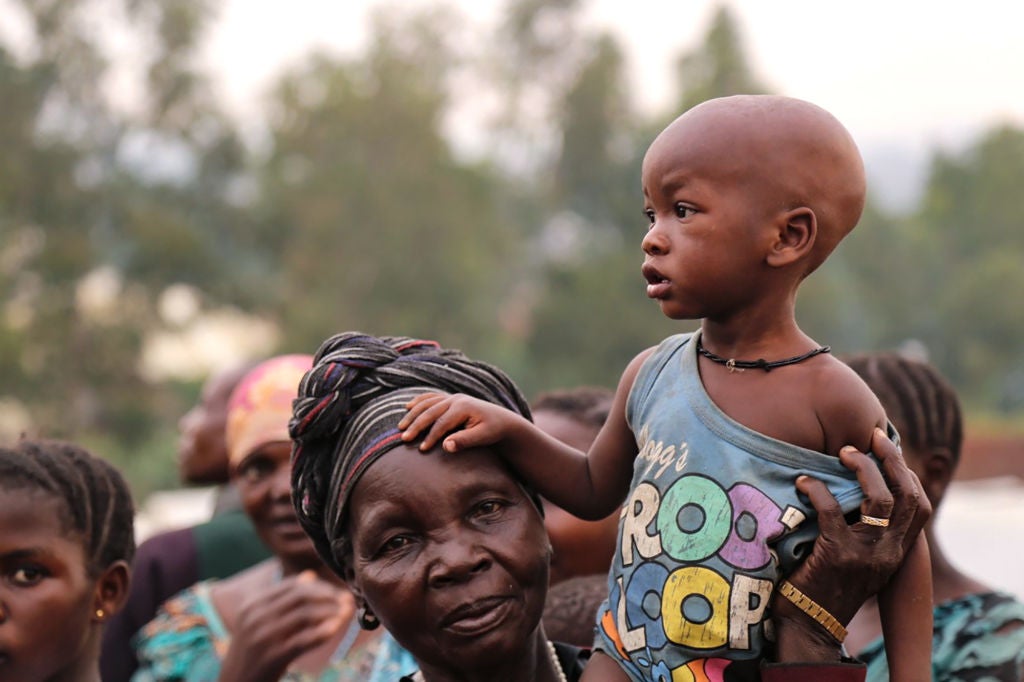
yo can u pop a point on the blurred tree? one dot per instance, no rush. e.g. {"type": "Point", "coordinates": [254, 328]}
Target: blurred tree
{"type": "Point", "coordinates": [101, 209]}
{"type": "Point", "coordinates": [719, 67]}
{"type": "Point", "coordinates": [590, 314]}
{"type": "Point", "coordinates": [379, 226]}
{"type": "Point", "coordinates": [968, 244]}
{"type": "Point", "coordinates": [58, 134]}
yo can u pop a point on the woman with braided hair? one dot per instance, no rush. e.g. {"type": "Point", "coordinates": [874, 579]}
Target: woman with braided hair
{"type": "Point", "coordinates": [978, 631]}
{"type": "Point", "coordinates": [288, 618]}
{"type": "Point", "coordinates": [66, 545]}
{"type": "Point", "coordinates": [449, 552]}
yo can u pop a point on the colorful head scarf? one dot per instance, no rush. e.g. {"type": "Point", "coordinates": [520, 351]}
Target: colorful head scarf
{"type": "Point", "coordinates": [347, 413]}
{"type": "Point", "coordinates": [261, 405]}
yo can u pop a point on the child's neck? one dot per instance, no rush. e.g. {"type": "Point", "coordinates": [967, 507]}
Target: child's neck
{"type": "Point", "coordinates": [748, 340]}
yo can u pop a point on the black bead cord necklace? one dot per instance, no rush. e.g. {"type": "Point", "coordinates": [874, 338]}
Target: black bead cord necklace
{"type": "Point", "coordinates": [741, 365]}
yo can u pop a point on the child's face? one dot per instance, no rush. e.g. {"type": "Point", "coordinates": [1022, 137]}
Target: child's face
{"type": "Point", "coordinates": [46, 596]}
{"type": "Point", "coordinates": [708, 211]}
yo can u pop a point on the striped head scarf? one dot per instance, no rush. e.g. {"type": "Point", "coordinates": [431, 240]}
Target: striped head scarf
{"type": "Point", "coordinates": [347, 412]}
{"type": "Point", "coordinates": [261, 405]}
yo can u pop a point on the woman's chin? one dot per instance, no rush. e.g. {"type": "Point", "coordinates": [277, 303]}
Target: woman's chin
{"type": "Point", "coordinates": [484, 650]}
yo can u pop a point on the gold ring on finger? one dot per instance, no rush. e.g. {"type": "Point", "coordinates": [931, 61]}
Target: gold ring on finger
{"type": "Point", "coordinates": [874, 521]}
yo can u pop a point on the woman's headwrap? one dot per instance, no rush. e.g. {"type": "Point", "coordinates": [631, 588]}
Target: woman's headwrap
{"type": "Point", "coordinates": [261, 405]}
{"type": "Point", "coordinates": [347, 412]}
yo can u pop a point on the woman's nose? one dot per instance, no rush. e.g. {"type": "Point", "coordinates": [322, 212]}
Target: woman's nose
{"type": "Point", "coordinates": [458, 560]}
{"type": "Point", "coordinates": [281, 483]}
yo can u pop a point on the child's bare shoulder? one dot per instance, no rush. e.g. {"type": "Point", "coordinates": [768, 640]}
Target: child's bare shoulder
{"type": "Point", "coordinates": [847, 408]}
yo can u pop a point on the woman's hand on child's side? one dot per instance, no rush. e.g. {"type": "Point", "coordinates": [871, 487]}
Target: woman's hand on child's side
{"type": "Point", "coordinates": [478, 423]}
{"type": "Point", "coordinates": [852, 562]}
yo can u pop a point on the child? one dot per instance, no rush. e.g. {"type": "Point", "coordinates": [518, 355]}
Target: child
{"type": "Point", "coordinates": [66, 542]}
{"type": "Point", "coordinates": [711, 433]}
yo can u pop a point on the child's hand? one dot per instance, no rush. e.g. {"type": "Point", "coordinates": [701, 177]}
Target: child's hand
{"type": "Point", "coordinates": [481, 423]}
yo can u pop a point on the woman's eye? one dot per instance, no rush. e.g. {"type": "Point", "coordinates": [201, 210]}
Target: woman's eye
{"type": "Point", "coordinates": [253, 472]}
{"type": "Point", "coordinates": [684, 211]}
{"type": "Point", "coordinates": [27, 576]}
{"type": "Point", "coordinates": [650, 215]}
{"type": "Point", "coordinates": [489, 507]}
{"type": "Point", "coordinates": [395, 544]}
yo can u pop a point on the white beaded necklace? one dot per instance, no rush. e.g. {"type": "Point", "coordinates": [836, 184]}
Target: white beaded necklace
{"type": "Point", "coordinates": [418, 675]}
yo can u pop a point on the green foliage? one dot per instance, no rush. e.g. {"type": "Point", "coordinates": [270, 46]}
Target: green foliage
{"type": "Point", "coordinates": [359, 214]}
{"type": "Point", "coordinates": [719, 67]}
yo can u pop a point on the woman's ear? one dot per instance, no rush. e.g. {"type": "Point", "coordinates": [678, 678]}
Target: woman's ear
{"type": "Point", "coordinates": [793, 238]}
{"type": "Point", "coordinates": [111, 590]}
{"type": "Point", "coordinates": [937, 474]}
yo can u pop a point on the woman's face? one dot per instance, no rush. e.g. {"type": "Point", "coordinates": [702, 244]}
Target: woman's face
{"type": "Point", "coordinates": [46, 595]}
{"type": "Point", "coordinates": [450, 554]}
{"type": "Point", "coordinates": [263, 479]}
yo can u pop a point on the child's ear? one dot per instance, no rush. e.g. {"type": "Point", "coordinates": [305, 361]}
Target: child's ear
{"type": "Point", "coordinates": [111, 590]}
{"type": "Point", "coordinates": [796, 231]}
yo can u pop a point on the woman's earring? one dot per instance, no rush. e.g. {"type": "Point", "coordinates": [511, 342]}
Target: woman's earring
{"type": "Point", "coordinates": [100, 613]}
{"type": "Point", "coordinates": [367, 620]}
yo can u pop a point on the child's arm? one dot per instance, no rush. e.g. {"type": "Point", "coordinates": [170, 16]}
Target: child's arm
{"type": "Point", "coordinates": [905, 605]}
{"type": "Point", "coordinates": [590, 485]}
{"type": "Point", "coordinates": [906, 601]}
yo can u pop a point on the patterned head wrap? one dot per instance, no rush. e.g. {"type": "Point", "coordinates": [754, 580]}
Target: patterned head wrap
{"type": "Point", "coordinates": [261, 405]}
{"type": "Point", "coordinates": [347, 413]}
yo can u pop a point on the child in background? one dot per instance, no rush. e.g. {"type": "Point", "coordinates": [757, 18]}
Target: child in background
{"type": "Point", "coordinates": [713, 434]}
{"type": "Point", "coordinates": [66, 545]}
{"type": "Point", "coordinates": [581, 548]}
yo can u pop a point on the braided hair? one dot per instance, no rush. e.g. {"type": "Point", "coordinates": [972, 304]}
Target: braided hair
{"type": "Point", "coordinates": [347, 412]}
{"type": "Point", "coordinates": [93, 499]}
{"type": "Point", "coordinates": [917, 399]}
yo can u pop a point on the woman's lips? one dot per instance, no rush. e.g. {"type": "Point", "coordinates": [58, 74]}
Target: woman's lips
{"type": "Point", "coordinates": [287, 526]}
{"type": "Point", "coordinates": [478, 617]}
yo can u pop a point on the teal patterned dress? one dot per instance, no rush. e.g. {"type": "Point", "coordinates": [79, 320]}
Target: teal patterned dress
{"type": "Point", "coordinates": [187, 641]}
{"type": "Point", "coordinates": [978, 638]}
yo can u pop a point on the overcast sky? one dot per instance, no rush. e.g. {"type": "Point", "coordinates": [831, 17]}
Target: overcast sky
{"type": "Point", "coordinates": [910, 69]}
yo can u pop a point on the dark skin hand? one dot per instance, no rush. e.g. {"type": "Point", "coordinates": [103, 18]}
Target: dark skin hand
{"type": "Point", "coordinates": [275, 626]}
{"type": "Point", "coordinates": [850, 563]}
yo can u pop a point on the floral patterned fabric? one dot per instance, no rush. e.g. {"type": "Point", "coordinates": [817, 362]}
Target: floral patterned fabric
{"type": "Point", "coordinates": [979, 638]}
{"type": "Point", "coordinates": [187, 641]}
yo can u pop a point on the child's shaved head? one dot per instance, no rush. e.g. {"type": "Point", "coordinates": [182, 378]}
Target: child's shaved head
{"type": "Point", "coordinates": [783, 151]}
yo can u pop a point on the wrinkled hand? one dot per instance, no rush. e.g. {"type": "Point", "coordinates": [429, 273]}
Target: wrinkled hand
{"type": "Point", "coordinates": [277, 625]}
{"type": "Point", "coordinates": [467, 422]}
{"type": "Point", "coordinates": [852, 562]}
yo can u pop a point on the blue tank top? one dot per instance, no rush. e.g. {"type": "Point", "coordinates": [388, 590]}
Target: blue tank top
{"type": "Point", "coordinates": [712, 522]}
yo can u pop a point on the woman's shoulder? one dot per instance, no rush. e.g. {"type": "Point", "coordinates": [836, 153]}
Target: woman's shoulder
{"type": "Point", "coordinates": [980, 615]}
{"type": "Point", "coordinates": [572, 659]}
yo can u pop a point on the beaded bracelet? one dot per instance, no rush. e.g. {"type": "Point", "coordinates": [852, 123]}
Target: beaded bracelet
{"type": "Point", "coordinates": [813, 609]}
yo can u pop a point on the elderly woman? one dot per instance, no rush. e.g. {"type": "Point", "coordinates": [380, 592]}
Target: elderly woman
{"type": "Point", "coordinates": [449, 552]}
{"type": "Point", "coordinates": [286, 618]}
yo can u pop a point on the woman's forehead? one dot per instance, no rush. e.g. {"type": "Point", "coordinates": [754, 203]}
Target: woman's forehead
{"type": "Point", "coordinates": [407, 479]}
